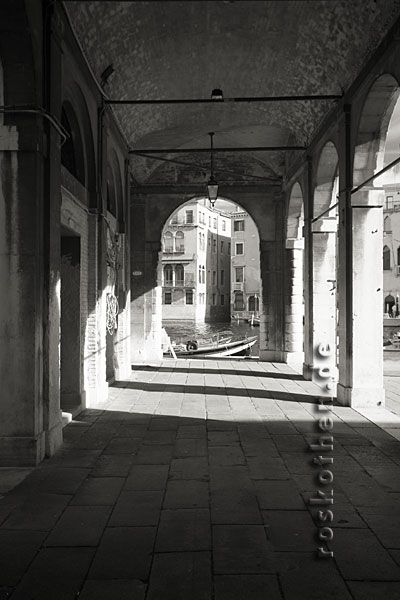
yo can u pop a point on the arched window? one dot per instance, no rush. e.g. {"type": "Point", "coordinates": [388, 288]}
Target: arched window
{"type": "Point", "coordinates": [168, 275]}
{"type": "Point", "coordinates": [180, 241]}
{"type": "Point", "coordinates": [204, 274]}
{"type": "Point", "coordinates": [386, 258]}
{"type": "Point", "coordinates": [388, 304]}
{"type": "Point", "coordinates": [254, 304]}
{"type": "Point", "coordinates": [179, 275]}
{"type": "Point", "coordinates": [238, 303]}
{"type": "Point", "coordinates": [168, 242]}
{"type": "Point", "coordinates": [72, 157]}
{"type": "Point", "coordinates": [387, 225]}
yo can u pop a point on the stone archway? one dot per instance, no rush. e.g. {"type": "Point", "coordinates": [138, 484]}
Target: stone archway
{"type": "Point", "coordinates": [150, 210]}
{"type": "Point", "coordinates": [360, 255]}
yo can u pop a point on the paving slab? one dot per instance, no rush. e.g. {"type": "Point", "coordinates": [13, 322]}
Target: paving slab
{"type": "Point", "coordinates": [147, 477]}
{"type": "Point", "coordinates": [186, 494]}
{"type": "Point", "coordinates": [55, 574]}
{"type": "Point", "coordinates": [137, 508]}
{"type": "Point", "coordinates": [246, 587]}
{"type": "Point", "coordinates": [242, 549]}
{"type": "Point", "coordinates": [17, 550]}
{"type": "Point", "coordinates": [184, 530]}
{"type": "Point", "coordinates": [124, 553]}
{"type": "Point", "coordinates": [98, 491]}
{"type": "Point", "coordinates": [180, 576]}
{"type": "Point", "coordinates": [79, 526]}
{"type": "Point", "coordinates": [118, 589]}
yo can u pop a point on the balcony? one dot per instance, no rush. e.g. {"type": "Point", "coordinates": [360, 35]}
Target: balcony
{"type": "Point", "coordinates": [180, 223]}
{"type": "Point", "coordinates": [177, 250]}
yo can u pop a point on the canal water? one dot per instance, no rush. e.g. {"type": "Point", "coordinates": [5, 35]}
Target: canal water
{"type": "Point", "coordinates": [182, 331]}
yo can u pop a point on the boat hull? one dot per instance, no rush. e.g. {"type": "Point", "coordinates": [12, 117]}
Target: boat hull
{"type": "Point", "coordinates": [236, 348]}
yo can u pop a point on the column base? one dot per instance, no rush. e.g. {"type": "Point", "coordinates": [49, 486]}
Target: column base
{"type": "Point", "coordinates": [295, 360]}
{"type": "Point", "coordinates": [22, 451]}
{"type": "Point", "coordinates": [308, 371]}
{"type": "Point", "coordinates": [272, 355]}
{"type": "Point", "coordinates": [360, 397]}
{"type": "Point", "coordinates": [54, 438]}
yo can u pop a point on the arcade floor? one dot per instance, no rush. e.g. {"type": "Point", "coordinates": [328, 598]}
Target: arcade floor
{"type": "Point", "coordinates": [193, 482]}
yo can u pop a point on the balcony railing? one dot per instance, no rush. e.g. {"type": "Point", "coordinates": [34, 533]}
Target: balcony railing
{"type": "Point", "coordinates": [189, 281]}
{"type": "Point", "coordinates": [177, 250]}
{"type": "Point", "coordinates": [178, 222]}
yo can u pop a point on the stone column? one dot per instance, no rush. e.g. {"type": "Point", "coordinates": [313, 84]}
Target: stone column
{"type": "Point", "coordinates": [294, 303]}
{"type": "Point", "coordinates": [324, 300]}
{"type": "Point", "coordinates": [361, 337]}
{"type": "Point", "coordinates": [360, 282]}
{"type": "Point", "coordinates": [319, 294]}
{"type": "Point", "coordinates": [271, 326]}
{"type": "Point", "coordinates": [146, 290]}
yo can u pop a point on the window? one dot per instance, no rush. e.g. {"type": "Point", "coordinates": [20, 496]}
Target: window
{"type": "Point", "coordinates": [214, 297]}
{"type": "Point", "coordinates": [389, 202]}
{"type": "Point", "coordinates": [386, 258]}
{"type": "Point", "coordinates": [387, 225]}
{"type": "Point", "coordinates": [214, 245]}
{"type": "Point", "coordinates": [72, 154]}
{"type": "Point", "coordinates": [204, 275]}
{"type": "Point", "coordinates": [239, 274]}
{"type": "Point", "coordinates": [254, 304]}
{"type": "Point", "coordinates": [168, 275]}
{"type": "Point", "coordinates": [201, 298]}
{"type": "Point", "coordinates": [222, 276]}
{"type": "Point", "coordinates": [222, 247]}
{"type": "Point", "coordinates": [168, 242]}
{"type": "Point", "coordinates": [223, 225]}
{"type": "Point", "coordinates": [189, 217]}
{"type": "Point", "coordinates": [229, 247]}
{"type": "Point", "coordinates": [238, 302]}
{"type": "Point", "coordinates": [215, 223]}
{"type": "Point", "coordinates": [240, 248]}
{"type": "Point", "coordinates": [222, 300]}
{"type": "Point", "coordinates": [174, 220]}
{"type": "Point", "coordinates": [238, 225]}
{"type": "Point", "coordinates": [179, 275]}
{"type": "Point", "coordinates": [189, 296]}
{"type": "Point", "coordinates": [209, 241]}
{"type": "Point", "coordinates": [180, 241]}
{"type": "Point", "coordinates": [398, 255]}
{"type": "Point", "coordinates": [167, 298]}
{"type": "Point", "coordinates": [209, 221]}
{"type": "Point", "coordinates": [214, 279]}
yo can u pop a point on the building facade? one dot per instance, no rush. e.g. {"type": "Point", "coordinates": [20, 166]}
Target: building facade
{"type": "Point", "coordinates": [391, 251]}
{"type": "Point", "coordinates": [245, 267]}
{"type": "Point", "coordinates": [195, 265]}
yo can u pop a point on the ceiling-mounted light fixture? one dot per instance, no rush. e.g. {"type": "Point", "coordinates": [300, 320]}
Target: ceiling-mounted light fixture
{"type": "Point", "coordinates": [212, 185]}
{"type": "Point", "coordinates": [217, 95]}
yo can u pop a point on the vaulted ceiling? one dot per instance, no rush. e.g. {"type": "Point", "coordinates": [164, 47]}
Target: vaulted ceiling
{"type": "Point", "coordinates": [182, 50]}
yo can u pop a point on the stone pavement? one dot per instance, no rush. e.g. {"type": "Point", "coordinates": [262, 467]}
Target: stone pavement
{"type": "Point", "coordinates": [193, 482]}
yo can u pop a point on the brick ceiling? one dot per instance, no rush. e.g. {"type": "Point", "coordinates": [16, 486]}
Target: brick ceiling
{"type": "Point", "coordinates": [185, 49]}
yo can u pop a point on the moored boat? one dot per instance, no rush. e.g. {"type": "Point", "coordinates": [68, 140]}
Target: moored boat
{"type": "Point", "coordinates": [218, 348]}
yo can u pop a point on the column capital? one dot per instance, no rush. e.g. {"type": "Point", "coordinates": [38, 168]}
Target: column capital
{"type": "Point", "coordinates": [294, 244]}
{"type": "Point", "coordinates": [325, 225]}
